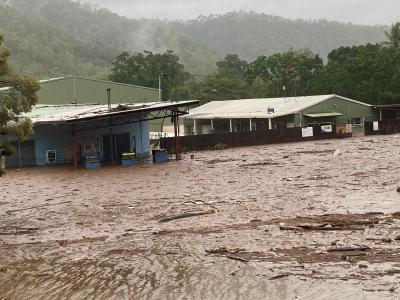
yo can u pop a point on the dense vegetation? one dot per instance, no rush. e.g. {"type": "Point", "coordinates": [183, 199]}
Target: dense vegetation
{"type": "Point", "coordinates": [250, 34]}
{"type": "Point", "coordinates": [369, 73]}
{"type": "Point", "coordinates": [42, 49]}
{"type": "Point", "coordinates": [271, 56]}
{"type": "Point", "coordinates": [60, 37]}
{"type": "Point", "coordinates": [18, 99]}
{"type": "Point", "coordinates": [147, 68]}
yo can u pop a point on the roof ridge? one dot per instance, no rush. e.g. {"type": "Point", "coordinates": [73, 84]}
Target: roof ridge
{"type": "Point", "coordinates": [257, 107]}
{"type": "Point", "coordinates": [95, 80]}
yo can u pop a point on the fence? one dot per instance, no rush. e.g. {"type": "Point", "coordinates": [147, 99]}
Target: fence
{"type": "Point", "coordinates": [248, 138]}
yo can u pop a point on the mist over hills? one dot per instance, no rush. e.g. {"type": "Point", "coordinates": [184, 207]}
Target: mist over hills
{"type": "Point", "coordinates": [60, 37]}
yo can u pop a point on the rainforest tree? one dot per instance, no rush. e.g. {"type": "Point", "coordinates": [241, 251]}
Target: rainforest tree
{"type": "Point", "coordinates": [17, 96]}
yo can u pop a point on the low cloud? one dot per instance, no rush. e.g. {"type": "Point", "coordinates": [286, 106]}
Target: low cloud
{"type": "Point", "coordinates": [354, 11]}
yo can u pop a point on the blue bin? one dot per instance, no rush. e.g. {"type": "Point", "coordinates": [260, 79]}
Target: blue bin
{"type": "Point", "coordinates": [161, 157]}
{"type": "Point", "coordinates": [127, 162]}
{"type": "Point", "coordinates": [92, 165]}
{"type": "Point", "coordinates": [92, 162]}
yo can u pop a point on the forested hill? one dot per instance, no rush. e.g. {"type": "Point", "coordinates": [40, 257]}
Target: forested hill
{"type": "Point", "coordinates": [59, 37]}
{"type": "Point", "coordinates": [250, 34]}
{"type": "Point", "coordinates": [42, 49]}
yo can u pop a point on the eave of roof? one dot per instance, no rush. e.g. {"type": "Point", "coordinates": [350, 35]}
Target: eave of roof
{"type": "Point", "coordinates": [66, 114]}
{"type": "Point", "coordinates": [387, 106]}
{"type": "Point", "coordinates": [321, 115]}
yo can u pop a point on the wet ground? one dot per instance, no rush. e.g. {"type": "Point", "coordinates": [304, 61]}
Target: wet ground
{"type": "Point", "coordinates": [312, 220]}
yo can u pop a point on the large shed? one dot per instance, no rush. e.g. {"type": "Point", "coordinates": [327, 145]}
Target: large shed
{"type": "Point", "coordinates": [273, 113]}
{"type": "Point", "coordinates": [79, 90]}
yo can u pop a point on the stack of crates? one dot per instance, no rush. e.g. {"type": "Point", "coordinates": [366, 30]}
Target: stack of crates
{"type": "Point", "coordinates": [92, 162]}
{"type": "Point", "coordinates": [128, 159]}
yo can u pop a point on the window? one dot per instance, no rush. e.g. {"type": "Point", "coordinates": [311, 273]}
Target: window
{"type": "Point", "coordinates": [50, 156]}
{"type": "Point", "coordinates": [356, 122]}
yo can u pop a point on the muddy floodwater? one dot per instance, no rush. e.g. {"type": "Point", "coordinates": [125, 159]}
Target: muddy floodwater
{"type": "Point", "coordinates": [311, 220]}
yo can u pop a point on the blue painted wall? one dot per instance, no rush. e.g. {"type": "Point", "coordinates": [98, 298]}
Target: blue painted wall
{"type": "Point", "coordinates": [59, 138]}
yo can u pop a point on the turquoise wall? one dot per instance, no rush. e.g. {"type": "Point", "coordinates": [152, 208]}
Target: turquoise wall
{"type": "Point", "coordinates": [59, 138]}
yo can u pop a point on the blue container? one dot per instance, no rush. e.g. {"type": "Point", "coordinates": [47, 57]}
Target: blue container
{"type": "Point", "coordinates": [161, 157]}
{"type": "Point", "coordinates": [127, 162]}
{"type": "Point", "coordinates": [92, 165]}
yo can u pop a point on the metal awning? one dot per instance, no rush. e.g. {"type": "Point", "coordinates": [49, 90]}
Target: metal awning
{"type": "Point", "coordinates": [77, 113]}
{"type": "Point", "coordinates": [322, 115]}
{"type": "Point", "coordinates": [388, 106]}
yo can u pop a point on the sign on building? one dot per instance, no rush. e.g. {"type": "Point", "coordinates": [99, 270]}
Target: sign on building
{"type": "Point", "coordinates": [326, 128]}
{"type": "Point", "coordinates": [307, 132]}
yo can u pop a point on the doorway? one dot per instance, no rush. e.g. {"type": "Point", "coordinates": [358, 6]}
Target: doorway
{"type": "Point", "coordinates": [24, 155]}
{"type": "Point", "coordinates": [114, 145]}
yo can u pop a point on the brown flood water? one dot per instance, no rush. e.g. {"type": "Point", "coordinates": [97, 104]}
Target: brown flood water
{"type": "Point", "coordinates": [280, 217]}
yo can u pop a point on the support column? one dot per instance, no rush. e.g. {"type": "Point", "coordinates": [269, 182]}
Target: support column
{"type": "Point", "coordinates": [230, 125]}
{"type": "Point", "coordinates": [112, 145]}
{"type": "Point", "coordinates": [74, 148]}
{"type": "Point", "coordinates": [194, 127]}
{"type": "Point", "coordinates": [380, 114]}
{"type": "Point", "coordinates": [212, 126]}
{"type": "Point", "coordinates": [159, 88]}
{"type": "Point", "coordinates": [19, 154]}
{"type": "Point", "coordinates": [250, 125]}
{"type": "Point", "coordinates": [176, 133]}
{"type": "Point", "coordinates": [269, 123]}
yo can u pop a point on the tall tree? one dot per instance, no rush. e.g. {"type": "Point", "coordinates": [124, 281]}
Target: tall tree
{"type": "Point", "coordinates": [146, 68]}
{"type": "Point", "coordinates": [228, 82]}
{"type": "Point", "coordinates": [232, 65]}
{"type": "Point", "coordinates": [393, 35]}
{"type": "Point", "coordinates": [288, 73]}
{"type": "Point", "coordinates": [369, 73]}
{"type": "Point", "coordinates": [17, 96]}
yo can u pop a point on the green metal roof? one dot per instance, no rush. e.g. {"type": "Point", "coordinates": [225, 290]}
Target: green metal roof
{"type": "Point", "coordinates": [321, 115]}
{"type": "Point", "coordinates": [79, 90]}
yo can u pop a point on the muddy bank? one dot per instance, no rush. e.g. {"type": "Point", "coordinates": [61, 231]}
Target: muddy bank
{"type": "Point", "coordinates": [284, 221]}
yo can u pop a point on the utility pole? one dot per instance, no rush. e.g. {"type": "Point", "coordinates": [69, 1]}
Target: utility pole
{"type": "Point", "coordinates": [160, 77]}
{"type": "Point", "coordinates": [159, 88]}
{"type": "Point", "coordinates": [109, 99]}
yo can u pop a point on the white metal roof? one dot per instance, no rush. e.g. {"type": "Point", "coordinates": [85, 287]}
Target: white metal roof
{"type": "Point", "coordinates": [43, 113]}
{"type": "Point", "coordinates": [258, 108]}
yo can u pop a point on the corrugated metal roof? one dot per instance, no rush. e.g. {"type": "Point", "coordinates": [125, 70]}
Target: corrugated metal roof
{"type": "Point", "coordinates": [74, 89]}
{"type": "Point", "coordinates": [327, 114]}
{"type": "Point", "coordinates": [42, 114]}
{"type": "Point", "coordinates": [95, 80]}
{"type": "Point", "coordinates": [258, 108]}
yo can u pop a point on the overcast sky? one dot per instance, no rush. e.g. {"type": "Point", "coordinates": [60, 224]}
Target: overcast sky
{"type": "Point", "coordinates": [355, 11]}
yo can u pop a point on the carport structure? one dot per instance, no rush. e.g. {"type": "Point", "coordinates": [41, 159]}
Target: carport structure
{"type": "Point", "coordinates": [388, 112]}
{"type": "Point", "coordinates": [66, 133]}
